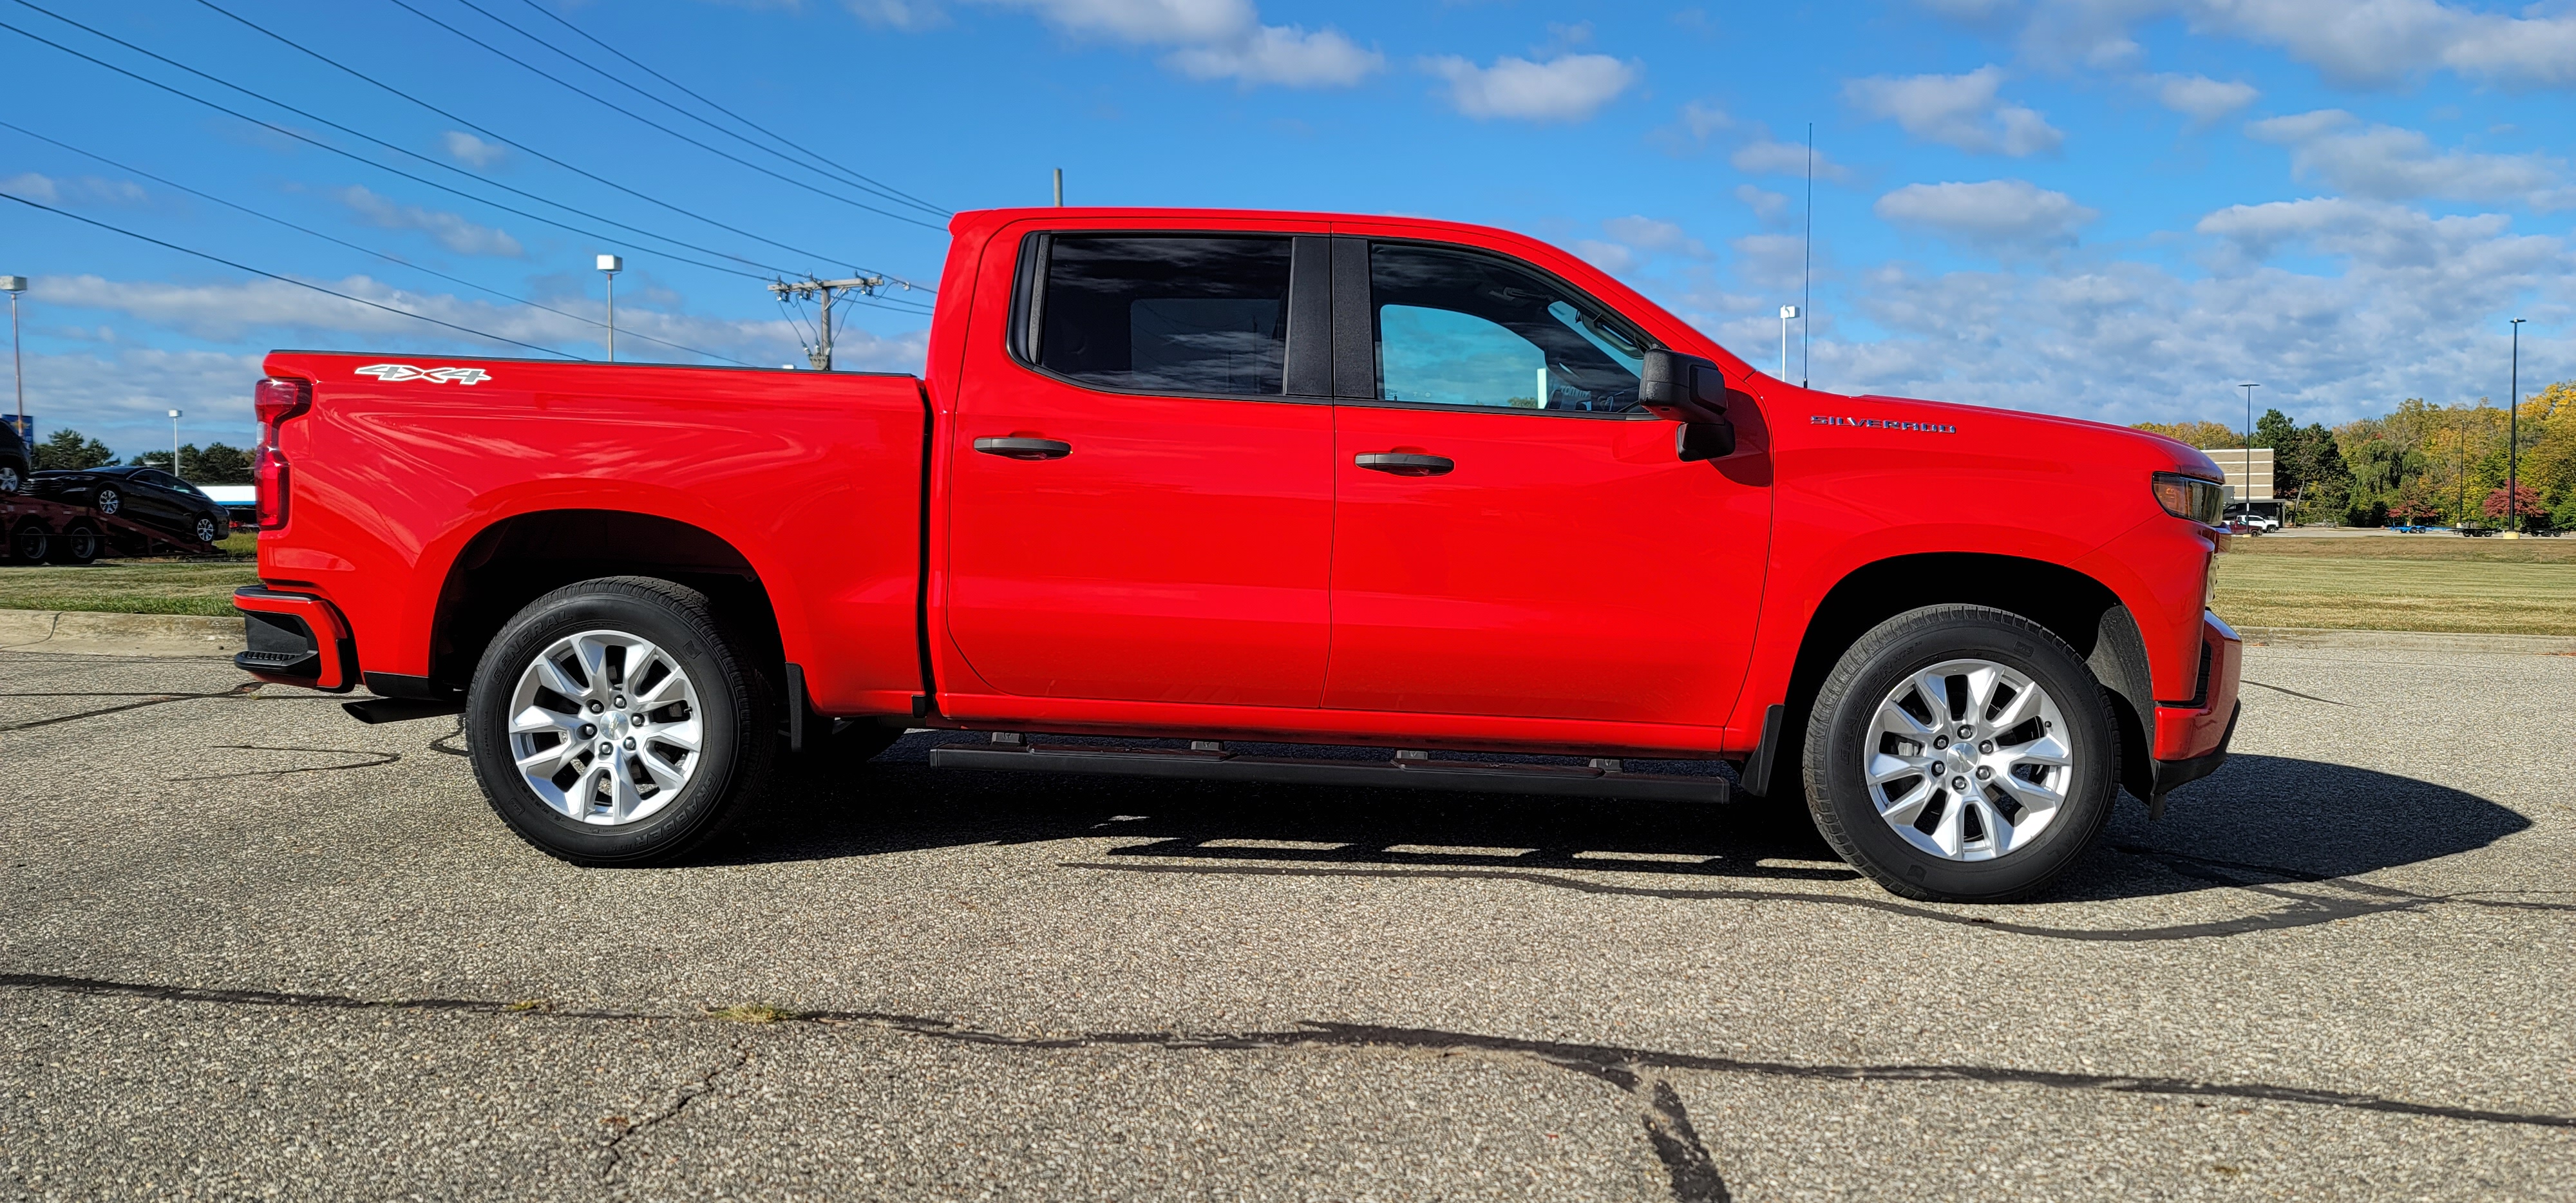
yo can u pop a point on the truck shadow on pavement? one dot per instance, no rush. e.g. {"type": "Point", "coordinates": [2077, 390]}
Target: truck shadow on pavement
{"type": "Point", "coordinates": [2284, 839]}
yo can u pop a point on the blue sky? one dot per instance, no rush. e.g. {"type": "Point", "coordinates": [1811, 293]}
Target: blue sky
{"type": "Point", "coordinates": [2115, 209]}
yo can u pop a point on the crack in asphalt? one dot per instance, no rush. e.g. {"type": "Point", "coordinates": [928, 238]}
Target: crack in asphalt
{"type": "Point", "coordinates": [375, 759]}
{"type": "Point", "coordinates": [2292, 692]}
{"type": "Point", "coordinates": [160, 699]}
{"type": "Point", "coordinates": [1617, 1064]}
{"type": "Point", "coordinates": [612, 1147]}
{"type": "Point", "coordinates": [2300, 910]}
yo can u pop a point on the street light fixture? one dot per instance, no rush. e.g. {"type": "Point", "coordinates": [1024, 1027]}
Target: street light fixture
{"type": "Point", "coordinates": [2513, 437]}
{"type": "Point", "coordinates": [175, 415]}
{"type": "Point", "coordinates": [610, 265]}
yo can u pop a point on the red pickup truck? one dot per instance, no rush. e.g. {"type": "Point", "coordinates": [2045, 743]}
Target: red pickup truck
{"type": "Point", "coordinates": [1280, 478]}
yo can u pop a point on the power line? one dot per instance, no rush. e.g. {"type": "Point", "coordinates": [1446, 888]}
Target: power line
{"type": "Point", "coordinates": [684, 90]}
{"type": "Point", "coordinates": [282, 279]}
{"type": "Point", "coordinates": [834, 173]}
{"type": "Point", "coordinates": [387, 257]}
{"type": "Point", "coordinates": [595, 178]}
{"type": "Point", "coordinates": [315, 142]}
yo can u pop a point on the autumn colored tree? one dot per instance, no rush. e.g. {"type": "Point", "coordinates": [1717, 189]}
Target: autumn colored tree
{"type": "Point", "coordinates": [2526, 502]}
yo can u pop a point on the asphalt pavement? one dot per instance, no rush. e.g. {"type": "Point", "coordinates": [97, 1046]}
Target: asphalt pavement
{"type": "Point", "coordinates": [255, 949]}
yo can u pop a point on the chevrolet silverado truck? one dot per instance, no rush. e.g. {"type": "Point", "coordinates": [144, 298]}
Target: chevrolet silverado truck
{"type": "Point", "coordinates": [1185, 477]}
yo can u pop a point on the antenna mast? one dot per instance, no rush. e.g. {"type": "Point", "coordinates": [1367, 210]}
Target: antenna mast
{"type": "Point", "coordinates": [1807, 288]}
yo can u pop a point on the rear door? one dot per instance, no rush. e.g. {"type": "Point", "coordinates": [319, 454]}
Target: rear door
{"type": "Point", "coordinates": [1513, 534]}
{"type": "Point", "coordinates": [1140, 496]}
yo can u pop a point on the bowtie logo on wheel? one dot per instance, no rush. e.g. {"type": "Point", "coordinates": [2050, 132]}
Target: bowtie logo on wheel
{"type": "Point", "coordinates": [396, 373]}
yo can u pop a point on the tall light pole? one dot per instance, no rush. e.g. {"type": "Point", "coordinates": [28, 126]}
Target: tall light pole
{"type": "Point", "coordinates": [175, 415]}
{"type": "Point", "coordinates": [2513, 436]}
{"type": "Point", "coordinates": [1788, 313]}
{"type": "Point", "coordinates": [13, 285]}
{"type": "Point", "coordinates": [610, 265]}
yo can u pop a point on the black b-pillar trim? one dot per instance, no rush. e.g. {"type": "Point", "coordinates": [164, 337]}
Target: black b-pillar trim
{"type": "Point", "coordinates": [1354, 327]}
{"type": "Point", "coordinates": [1310, 317]}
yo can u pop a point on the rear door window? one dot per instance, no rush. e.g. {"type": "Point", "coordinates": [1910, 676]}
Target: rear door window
{"type": "Point", "coordinates": [1196, 316]}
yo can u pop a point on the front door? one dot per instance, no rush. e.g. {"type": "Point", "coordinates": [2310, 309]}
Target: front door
{"type": "Point", "coordinates": [1514, 535]}
{"type": "Point", "coordinates": [1139, 509]}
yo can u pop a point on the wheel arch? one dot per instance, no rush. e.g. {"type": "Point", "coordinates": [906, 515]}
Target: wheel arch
{"type": "Point", "coordinates": [522, 557]}
{"type": "Point", "coordinates": [2078, 608]}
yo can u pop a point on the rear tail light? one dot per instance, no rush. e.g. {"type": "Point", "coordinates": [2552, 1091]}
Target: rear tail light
{"type": "Point", "coordinates": [276, 400]}
{"type": "Point", "coordinates": [2190, 497]}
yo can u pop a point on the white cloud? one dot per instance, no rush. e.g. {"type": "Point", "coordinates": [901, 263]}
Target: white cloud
{"type": "Point", "coordinates": [1994, 213]}
{"type": "Point", "coordinates": [2385, 162]}
{"type": "Point", "coordinates": [120, 394]}
{"type": "Point", "coordinates": [1285, 55]}
{"type": "Point", "coordinates": [1608, 256]}
{"type": "Point", "coordinates": [1214, 39]}
{"type": "Point", "coordinates": [53, 190]}
{"type": "Point", "coordinates": [1957, 110]}
{"type": "Point", "coordinates": [908, 15]}
{"type": "Point", "coordinates": [2354, 42]}
{"type": "Point", "coordinates": [2383, 303]}
{"type": "Point", "coordinates": [1760, 154]}
{"type": "Point", "coordinates": [1767, 206]}
{"type": "Point", "coordinates": [1647, 233]}
{"type": "Point", "coordinates": [453, 232]}
{"type": "Point", "coordinates": [1771, 261]}
{"type": "Point", "coordinates": [2206, 101]}
{"type": "Point", "coordinates": [1567, 88]}
{"type": "Point", "coordinates": [260, 310]}
{"type": "Point", "coordinates": [472, 151]}
{"type": "Point", "coordinates": [2383, 41]}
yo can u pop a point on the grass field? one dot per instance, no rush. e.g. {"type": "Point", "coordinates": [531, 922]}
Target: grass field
{"type": "Point", "coordinates": [2376, 583]}
{"type": "Point", "coordinates": [172, 586]}
{"type": "Point", "coordinates": [2401, 583]}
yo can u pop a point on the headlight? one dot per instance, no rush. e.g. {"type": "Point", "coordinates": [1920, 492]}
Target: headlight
{"type": "Point", "coordinates": [2190, 497]}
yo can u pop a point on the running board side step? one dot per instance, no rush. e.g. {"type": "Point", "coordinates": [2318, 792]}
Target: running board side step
{"type": "Point", "coordinates": [1406, 770]}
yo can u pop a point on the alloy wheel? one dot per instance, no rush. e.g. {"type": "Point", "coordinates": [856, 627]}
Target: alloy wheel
{"type": "Point", "coordinates": [205, 530]}
{"type": "Point", "coordinates": [1965, 760]}
{"type": "Point", "coordinates": [109, 502]}
{"type": "Point", "coordinates": [604, 727]}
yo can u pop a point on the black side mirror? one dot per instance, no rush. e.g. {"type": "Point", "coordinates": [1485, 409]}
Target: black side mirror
{"type": "Point", "coordinates": [1692, 391]}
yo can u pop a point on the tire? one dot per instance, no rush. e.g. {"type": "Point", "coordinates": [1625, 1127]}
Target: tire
{"type": "Point", "coordinates": [207, 531]}
{"type": "Point", "coordinates": [726, 706]}
{"type": "Point", "coordinates": [29, 543]}
{"type": "Point", "coordinates": [77, 544]}
{"type": "Point", "coordinates": [108, 502]}
{"type": "Point", "coordinates": [2034, 791]}
{"type": "Point", "coordinates": [12, 478]}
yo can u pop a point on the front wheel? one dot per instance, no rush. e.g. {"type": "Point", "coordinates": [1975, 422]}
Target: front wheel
{"type": "Point", "coordinates": [109, 502]}
{"type": "Point", "coordinates": [614, 722]}
{"type": "Point", "coordinates": [206, 530]}
{"type": "Point", "coordinates": [1961, 754]}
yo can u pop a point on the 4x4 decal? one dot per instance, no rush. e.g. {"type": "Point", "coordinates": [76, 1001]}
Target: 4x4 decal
{"type": "Point", "coordinates": [392, 373]}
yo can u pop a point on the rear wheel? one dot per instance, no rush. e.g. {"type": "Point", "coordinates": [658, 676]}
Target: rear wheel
{"type": "Point", "coordinates": [1961, 754]}
{"type": "Point", "coordinates": [28, 543]}
{"type": "Point", "coordinates": [109, 501]}
{"type": "Point", "coordinates": [12, 478]}
{"type": "Point", "coordinates": [77, 544]}
{"type": "Point", "coordinates": [615, 722]}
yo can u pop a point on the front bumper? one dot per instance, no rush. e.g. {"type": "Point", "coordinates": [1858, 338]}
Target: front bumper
{"type": "Point", "coordinates": [296, 640]}
{"type": "Point", "coordinates": [2192, 736]}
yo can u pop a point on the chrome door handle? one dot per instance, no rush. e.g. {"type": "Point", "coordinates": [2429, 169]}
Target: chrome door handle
{"type": "Point", "coordinates": [1405, 463]}
{"type": "Point", "coordinates": [1016, 448]}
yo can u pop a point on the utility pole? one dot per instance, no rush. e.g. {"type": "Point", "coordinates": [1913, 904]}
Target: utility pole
{"type": "Point", "coordinates": [175, 415]}
{"type": "Point", "coordinates": [13, 285]}
{"type": "Point", "coordinates": [610, 265]}
{"type": "Point", "coordinates": [821, 352]}
{"type": "Point", "coordinates": [2513, 438]}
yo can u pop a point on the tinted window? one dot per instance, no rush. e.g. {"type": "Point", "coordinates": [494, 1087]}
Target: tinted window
{"type": "Point", "coordinates": [1202, 316]}
{"type": "Point", "coordinates": [1457, 328]}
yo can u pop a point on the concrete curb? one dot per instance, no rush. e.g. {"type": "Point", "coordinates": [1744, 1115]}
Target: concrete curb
{"type": "Point", "coordinates": [101, 634]}
{"type": "Point", "coordinates": [2411, 641]}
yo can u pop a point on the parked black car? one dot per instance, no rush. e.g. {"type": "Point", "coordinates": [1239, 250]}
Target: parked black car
{"type": "Point", "coordinates": [148, 497]}
{"type": "Point", "coordinates": [15, 464]}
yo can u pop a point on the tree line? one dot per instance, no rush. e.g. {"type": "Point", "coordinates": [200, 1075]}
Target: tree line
{"type": "Point", "coordinates": [212, 464]}
{"type": "Point", "coordinates": [2419, 464]}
